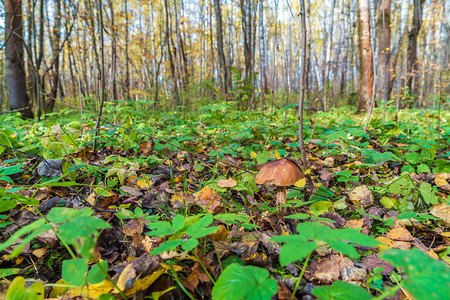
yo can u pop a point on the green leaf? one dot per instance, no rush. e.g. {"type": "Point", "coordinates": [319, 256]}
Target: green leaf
{"type": "Point", "coordinates": [434, 283]}
{"type": "Point", "coordinates": [18, 291]}
{"type": "Point", "coordinates": [11, 170]}
{"type": "Point", "coordinates": [408, 169]}
{"type": "Point", "coordinates": [96, 275]}
{"type": "Point", "coordinates": [387, 202]}
{"type": "Point", "coordinates": [427, 155]}
{"type": "Point", "coordinates": [423, 168]}
{"type": "Point", "coordinates": [198, 229]}
{"type": "Point", "coordinates": [178, 222]}
{"type": "Point", "coordinates": [406, 215]}
{"type": "Point", "coordinates": [298, 216]}
{"type": "Point", "coordinates": [231, 218]}
{"type": "Point", "coordinates": [291, 252]}
{"type": "Point", "coordinates": [340, 290]}
{"type": "Point", "coordinates": [262, 157]}
{"type": "Point", "coordinates": [427, 193]}
{"type": "Point", "coordinates": [344, 248]}
{"type": "Point", "coordinates": [190, 244]}
{"type": "Point", "coordinates": [441, 166]}
{"type": "Point", "coordinates": [249, 282]}
{"type": "Point", "coordinates": [320, 207]}
{"type": "Point", "coordinates": [161, 228]}
{"type": "Point", "coordinates": [169, 245]}
{"type": "Point", "coordinates": [402, 185]}
{"type": "Point", "coordinates": [7, 204]}
{"type": "Point", "coordinates": [412, 157]}
{"type": "Point", "coordinates": [63, 214]}
{"type": "Point", "coordinates": [8, 272]}
{"type": "Point", "coordinates": [74, 271]}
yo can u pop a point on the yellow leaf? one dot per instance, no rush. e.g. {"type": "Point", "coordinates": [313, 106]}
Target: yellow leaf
{"type": "Point", "coordinates": [94, 290]}
{"type": "Point", "coordinates": [253, 154]}
{"type": "Point", "coordinates": [277, 155]}
{"type": "Point", "coordinates": [143, 283]}
{"type": "Point", "coordinates": [176, 268]}
{"type": "Point", "coordinates": [13, 135]}
{"type": "Point", "coordinates": [301, 182]}
{"type": "Point", "coordinates": [58, 290]}
{"type": "Point", "coordinates": [387, 243]}
{"type": "Point", "coordinates": [40, 252]}
{"type": "Point", "coordinates": [144, 183]}
{"type": "Point", "coordinates": [91, 198]}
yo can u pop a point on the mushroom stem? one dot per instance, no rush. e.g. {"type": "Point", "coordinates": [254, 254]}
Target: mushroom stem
{"type": "Point", "coordinates": [281, 197]}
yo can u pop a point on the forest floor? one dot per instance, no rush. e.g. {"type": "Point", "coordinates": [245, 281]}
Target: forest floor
{"type": "Point", "coordinates": [167, 206]}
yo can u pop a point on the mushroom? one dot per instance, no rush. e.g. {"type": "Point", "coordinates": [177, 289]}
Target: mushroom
{"type": "Point", "coordinates": [280, 173]}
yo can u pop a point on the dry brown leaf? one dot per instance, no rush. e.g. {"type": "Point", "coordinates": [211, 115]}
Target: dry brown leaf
{"type": "Point", "coordinates": [372, 261]}
{"type": "Point", "coordinates": [226, 183]}
{"type": "Point", "coordinates": [208, 199]}
{"type": "Point", "coordinates": [220, 235]}
{"type": "Point", "coordinates": [149, 243]}
{"type": "Point", "coordinates": [133, 227]}
{"type": "Point", "coordinates": [49, 237]}
{"type": "Point", "coordinates": [354, 223]}
{"type": "Point", "coordinates": [352, 273]}
{"type": "Point", "coordinates": [442, 211]}
{"type": "Point", "coordinates": [361, 195]}
{"type": "Point", "coordinates": [442, 180]}
{"type": "Point", "coordinates": [197, 276]}
{"type": "Point", "coordinates": [399, 234]}
{"type": "Point", "coordinates": [131, 190]}
{"type": "Point", "coordinates": [126, 277]}
{"type": "Point", "coordinates": [329, 269]}
{"type": "Point", "coordinates": [40, 252]}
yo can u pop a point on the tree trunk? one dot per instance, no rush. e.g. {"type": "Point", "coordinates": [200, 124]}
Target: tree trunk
{"type": "Point", "coordinates": [412, 66]}
{"type": "Point", "coordinates": [55, 43]}
{"type": "Point", "coordinates": [14, 58]}
{"type": "Point", "coordinates": [169, 51]}
{"type": "Point", "coordinates": [262, 55]}
{"type": "Point", "coordinates": [397, 43]}
{"type": "Point", "coordinates": [127, 58]}
{"type": "Point", "coordinates": [384, 42]}
{"type": "Point", "coordinates": [365, 56]}
{"type": "Point", "coordinates": [247, 30]}
{"type": "Point", "coordinates": [220, 50]}
{"type": "Point", "coordinates": [328, 58]}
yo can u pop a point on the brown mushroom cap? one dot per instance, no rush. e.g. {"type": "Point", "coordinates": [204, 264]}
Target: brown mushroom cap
{"type": "Point", "coordinates": [282, 172]}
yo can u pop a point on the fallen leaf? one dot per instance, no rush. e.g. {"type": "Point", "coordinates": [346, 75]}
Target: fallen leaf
{"type": "Point", "coordinates": [442, 211]}
{"type": "Point", "coordinates": [361, 195]}
{"type": "Point", "coordinates": [133, 227]}
{"type": "Point", "coordinates": [226, 183]}
{"type": "Point", "coordinates": [352, 273]}
{"type": "Point", "coordinates": [94, 290]}
{"type": "Point", "coordinates": [372, 261]}
{"type": "Point", "coordinates": [399, 234]}
{"type": "Point", "coordinates": [301, 183]}
{"type": "Point", "coordinates": [220, 235]}
{"type": "Point", "coordinates": [442, 181]}
{"type": "Point", "coordinates": [354, 223]}
{"type": "Point", "coordinates": [387, 243]}
{"type": "Point", "coordinates": [208, 199]}
{"type": "Point", "coordinates": [40, 252]}
{"type": "Point", "coordinates": [131, 190]}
